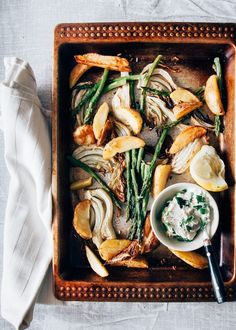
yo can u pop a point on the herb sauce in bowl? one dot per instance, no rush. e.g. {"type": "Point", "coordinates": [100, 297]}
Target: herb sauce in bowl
{"type": "Point", "coordinates": [181, 213]}
{"type": "Point", "coordinates": [186, 214]}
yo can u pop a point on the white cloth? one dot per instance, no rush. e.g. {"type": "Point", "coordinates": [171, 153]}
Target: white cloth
{"type": "Point", "coordinates": [27, 229]}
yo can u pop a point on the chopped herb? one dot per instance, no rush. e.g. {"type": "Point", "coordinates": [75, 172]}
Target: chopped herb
{"type": "Point", "coordinates": [189, 228]}
{"type": "Point", "coordinates": [197, 207]}
{"type": "Point", "coordinates": [200, 199]}
{"type": "Point", "coordinates": [180, 201]}
{"type": "Point", "coordinates": [203, 210]}
{"type": "Point", "coordinates": [189, 219]}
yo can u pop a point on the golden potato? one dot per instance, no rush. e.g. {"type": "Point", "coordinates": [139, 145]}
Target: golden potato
{"type": "Point", "coordinates": [149, 241]}
{"type": "Point", "coordinates": [129, 117]}
{"type": "Point", "coordinates": [83, 135]}
{"type": "Point", "coordinates": [104, 61]}
{"type": "Point", "coordinates": [81, 184]}
{"type": "Point", "coordinates": [81, 219]}
{"type": "Point", "coordinates": [138, 262]}
{"type": "Point", "coordinates": [77, 72]}
{"type": "Point", "coordinates": [186, 136]}
{"type": "Point", "coordinates": [100, 119]}
{"type": "Point", "coordinates": [180, 95]}
{"type": "Point", "coordinates": [121, 144]}
{"type": "Point", "coordinates": [105, 133]}
{"type": "Point", "coordinates": [213, 97]}
{"type": "Point", "coordinates": [147, 226]}
{"type": "Point", "coordinates": [160, 178]}
{"type": "Point", "coordinates": [112, 247]}
{"type": "Point", "coordinates": [193, 259]}
{"type": "Point", "coordinates": [182, 109]}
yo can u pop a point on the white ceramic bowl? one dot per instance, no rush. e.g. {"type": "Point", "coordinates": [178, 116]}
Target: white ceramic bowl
{"type": "Point", "coordinates": [158, 227]}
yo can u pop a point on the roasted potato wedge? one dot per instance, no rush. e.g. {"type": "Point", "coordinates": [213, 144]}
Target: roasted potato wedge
{"type": "Point", "coordinates": [129, 117]}
{"type": "Point", "coordinates": [183, 95]}
{"type": "Point", "coordinates": [147, 226]}
{"type": "Point", "coordinates": [212, 96]}
{"type": "Point", "coordinates": [103, 61]}
{"type": "Point", "coordinates": [95, 263]}
{"type": "Point", "coordinates": [112, 247]}
{"type": "Point", "coordinates": [100, 119]}
{"type": "Point", "coordinates": [182, 109]}
{"type": "Point", "coordinates": [138, 262]}
{"type": "Point", "coordinates": [83, 135]}
{"type": "Point", "coordinates": [81, 219]}
{"type": "Point", "coordinates": [194, 259]}
{"type": "Point", "coordinates": [160, 178]}
{"type": "Point", "coordinates": [77, 72]}
{"type": "Point", "coordinates": [105, 133]}
{"type": "Point", "coordinates": [186, 136]}
{"type": "Point", "coordinates": [121, 144]}
{"type": "Point", "coordinates": [81, 184]}
{"type": "Point", "coordinates": [150, 241]}
{"type": "Point", "coordinates": [132, 251]}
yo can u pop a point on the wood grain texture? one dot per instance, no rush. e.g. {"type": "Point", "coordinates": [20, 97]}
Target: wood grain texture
{"type": "Point", "coordinates": [27, 32]}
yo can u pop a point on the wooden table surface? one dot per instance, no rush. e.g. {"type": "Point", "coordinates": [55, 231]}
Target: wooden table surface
{"type": "Point", "coordinates": [27, 32]}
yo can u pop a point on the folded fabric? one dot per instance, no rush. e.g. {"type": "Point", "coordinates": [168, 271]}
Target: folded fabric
{"type": "Point", "coordinates": [27, 233]}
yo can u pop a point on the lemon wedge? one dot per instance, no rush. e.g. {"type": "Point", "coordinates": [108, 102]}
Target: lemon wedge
{"type": "Point", "coordinates": [208, 170]}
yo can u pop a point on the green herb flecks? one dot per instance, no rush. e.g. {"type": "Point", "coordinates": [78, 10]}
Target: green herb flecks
{"type": "Point", "coordinates": [200, 199]}
{"type": "Point", "coordinates": [203, 210]}
{"type": "Point", "coordinates": [180, 201]}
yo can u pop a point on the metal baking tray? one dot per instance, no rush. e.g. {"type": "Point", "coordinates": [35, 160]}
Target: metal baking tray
{"type": "Point", "coordinates": [168, 278]}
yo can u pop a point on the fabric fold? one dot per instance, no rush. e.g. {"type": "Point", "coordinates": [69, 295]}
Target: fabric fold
{"type": "Point", "coordinates": [27, 230]}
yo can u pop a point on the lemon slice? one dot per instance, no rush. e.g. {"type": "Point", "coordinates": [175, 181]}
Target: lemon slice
{"type": "Point", "coordinates": [208, 170]}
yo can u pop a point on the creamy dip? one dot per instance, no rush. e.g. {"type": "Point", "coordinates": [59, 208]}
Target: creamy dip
{"type": "Point", "coordinates": [186, 214]}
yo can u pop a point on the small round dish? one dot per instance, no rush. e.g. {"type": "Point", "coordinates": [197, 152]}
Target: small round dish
{"type": "Point", "coordinates": [158, 227]}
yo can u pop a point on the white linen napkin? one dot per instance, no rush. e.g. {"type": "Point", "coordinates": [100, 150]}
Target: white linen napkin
{"type": "Point", "coordinates": [27, 233]}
